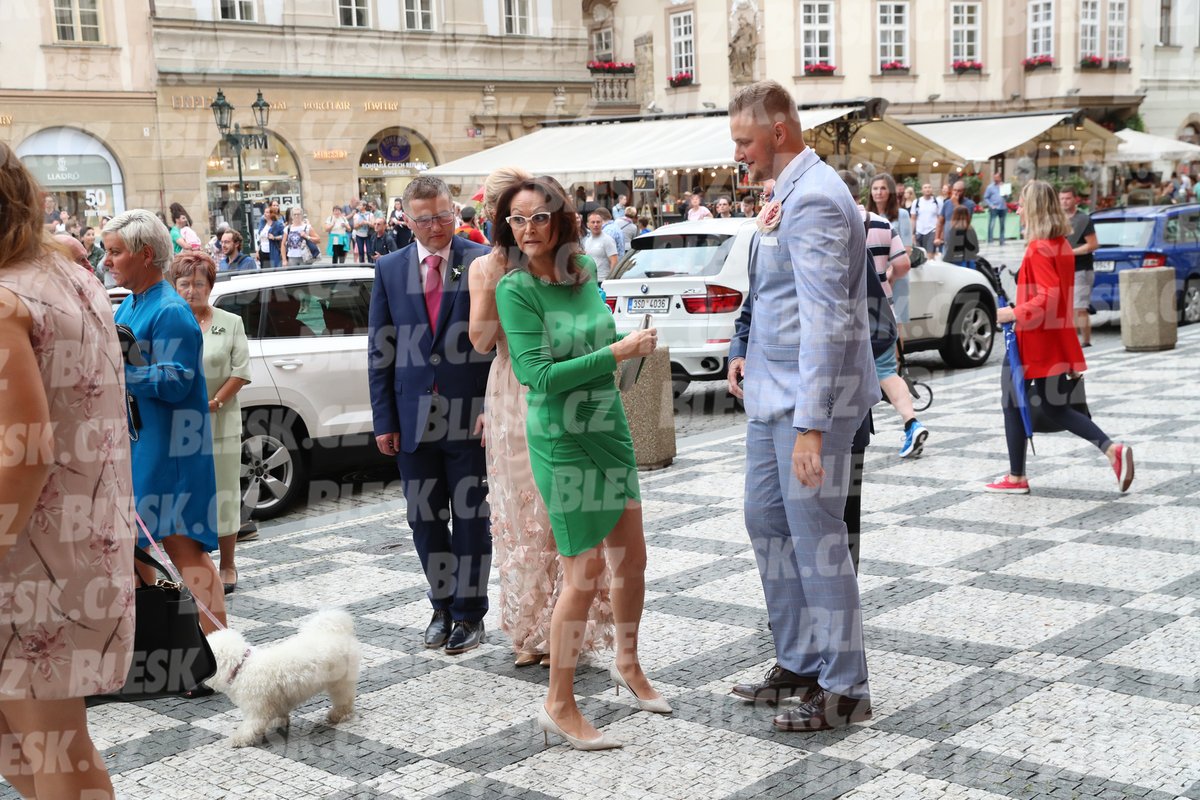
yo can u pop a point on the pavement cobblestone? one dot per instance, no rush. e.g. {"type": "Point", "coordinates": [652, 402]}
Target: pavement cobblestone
{"type": "Point", "coordinates": [1020, 647]}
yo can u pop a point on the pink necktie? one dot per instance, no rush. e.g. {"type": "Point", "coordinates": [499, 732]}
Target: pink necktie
{"type": "Point", "coordinates": [433, 289]}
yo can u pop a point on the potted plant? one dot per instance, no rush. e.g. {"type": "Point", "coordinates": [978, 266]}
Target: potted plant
{"type": "Point", "coordinates": [894, 67]}
{"type": "Point", "coordinates": [960, 67]}
{"type": "Point", "coordinates": [610, 67]}
{"type": "Point", "coordinates": [820, 68]}
{"type": "Point", "coordinates": [1037, 62]}
{"type": "Point", "coordinates": [680, 79]}
{"type": "Point", "coordinates": [1118, 63]}
{"type": "Point", "coordinates": [1091, 62]}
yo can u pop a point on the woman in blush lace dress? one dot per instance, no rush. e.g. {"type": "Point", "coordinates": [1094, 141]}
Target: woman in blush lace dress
{"type": "Point", "coordinates": [523, 548]}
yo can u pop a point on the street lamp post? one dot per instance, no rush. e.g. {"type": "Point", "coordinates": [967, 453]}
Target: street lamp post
{"type": "Point", "coordinates": [233, 136]}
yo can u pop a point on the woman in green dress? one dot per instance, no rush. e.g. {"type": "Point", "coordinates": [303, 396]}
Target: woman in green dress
{"type": "Point", "coordinates": [564, 347]}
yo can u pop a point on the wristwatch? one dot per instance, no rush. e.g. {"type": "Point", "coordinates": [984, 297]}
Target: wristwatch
{"type": "Point", "coordinates": [802, 431]}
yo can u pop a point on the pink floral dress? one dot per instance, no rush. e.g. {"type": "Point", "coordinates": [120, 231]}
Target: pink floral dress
{"type": "Point", "coordinates": [66, 585]}
{"type": "Point", "coordinates": [523, 548]}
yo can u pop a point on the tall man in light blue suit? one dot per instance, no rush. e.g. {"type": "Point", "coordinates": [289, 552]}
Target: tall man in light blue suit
{"type": "Point", "coordinates": [802, 345]}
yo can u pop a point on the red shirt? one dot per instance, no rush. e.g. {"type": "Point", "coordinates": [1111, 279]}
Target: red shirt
{"type": "Point", "coordinates": [1045, 310]}
{"type": "Point", "coordinates": [472, 233]}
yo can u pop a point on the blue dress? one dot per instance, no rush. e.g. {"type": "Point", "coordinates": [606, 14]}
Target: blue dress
{"type": "Point", "coordinates": [174, 483]}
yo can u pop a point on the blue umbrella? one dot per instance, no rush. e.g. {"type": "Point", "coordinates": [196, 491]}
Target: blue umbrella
{"type": "Point", "coordinates": [1017, 373]}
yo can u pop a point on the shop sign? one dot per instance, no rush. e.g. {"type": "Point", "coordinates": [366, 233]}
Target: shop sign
{"type": "Point", "coordinates": [326, 105]}
{"type": "Point", "coordinates": [329, 155]}
{"type": "Point", "coordinates": [6, 119]}
{"type": "Point", "coordinates": [403, 168]}
{"type": "Point", "coordinates": [395, 149]}
{"type": "Point", "coordinates": [69, 171]}
{"type": "Point", "coordinates": [381, 105]}
{"type": "Point", "coordinates": [643, 180]}
{"type": "Point", "coordinates": [199, 102]}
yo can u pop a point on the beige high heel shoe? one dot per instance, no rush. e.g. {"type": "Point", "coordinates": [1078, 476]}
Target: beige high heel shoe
{"type": "Point", "coordinates": [658, 705]}
{"type": "Point", "coordinates": [548, 726]}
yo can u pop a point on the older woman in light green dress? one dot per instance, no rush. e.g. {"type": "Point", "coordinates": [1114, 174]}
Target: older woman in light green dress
{"type": "Point", "coordinates": [226, 371]}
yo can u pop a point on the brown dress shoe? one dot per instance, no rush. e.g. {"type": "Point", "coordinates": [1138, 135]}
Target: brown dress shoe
{"type": "Point", "coordinates": [778, 684]}
{"type": "Point", "coordinates": [824, 711]}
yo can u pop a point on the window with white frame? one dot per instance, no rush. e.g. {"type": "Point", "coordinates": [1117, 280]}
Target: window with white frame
{"type": "Point", "coordinates": [816, 33]}
{"type": "Point", "coordinates": [683, 46]}
{"type": "Point", "coordinates": [893, 33]}
{"type": "Point", "coordinates": [1041, 28]}
{"type": "Point", "coordinates": [353, 13]}
{"type": "Point", "coordinates": [418, 15]}
{"type": "Point", "coordinates": [77, 21]}
{"type": "Point", "coordinates": [1118, 29]}
{"type": "Point", "coordinates": [964, 32]}
{"type": "Point", "coordinates": [1089, 28]}
{"type": "Point", "coordinates": [516, 17]}
{"type": "Point", "coordinates": [602, 44]}
{"type": "Point", "coordinates": [237, 10]}
{"type": "Point", "coordinates": [1164, 22]}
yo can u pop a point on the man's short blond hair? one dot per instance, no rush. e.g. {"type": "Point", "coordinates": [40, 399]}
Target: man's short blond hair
{"type": "Point", "coordinates": [768, 101]}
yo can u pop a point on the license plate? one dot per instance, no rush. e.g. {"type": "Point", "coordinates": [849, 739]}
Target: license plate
{"type": "Point", "coordinates": [1104, 266]}
{"type": "Point", "coordinates": [652, 304]}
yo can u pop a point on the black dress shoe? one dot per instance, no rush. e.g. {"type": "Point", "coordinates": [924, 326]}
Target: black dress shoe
{"type": "Point", "coordinates": [779, 684]}
{"type": "Point", "coordinates": [824, 711]}
{"type": "Point", "coordinates": [439, 630]}
{"type": "Point", "coordinates": [465, 636]}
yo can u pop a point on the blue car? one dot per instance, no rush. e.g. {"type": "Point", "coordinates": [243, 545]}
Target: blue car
{"type": "Point", "coordinates": [1149, 236]}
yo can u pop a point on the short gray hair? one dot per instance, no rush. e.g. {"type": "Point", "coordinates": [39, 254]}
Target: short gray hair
{"type": "Point", "coordinates": [139, 229]}
{"type": "Point", "coordinates": [425, 187]}
{"type": "Point", "coordinates": [851, 181]}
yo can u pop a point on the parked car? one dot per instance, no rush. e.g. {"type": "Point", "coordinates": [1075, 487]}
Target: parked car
{"type": "Point", "coordinates": [308, 400]}
{"type": "Point", "coordinates": [1149, 236]}
{"type": "Point", "coordinates": [693, 277]}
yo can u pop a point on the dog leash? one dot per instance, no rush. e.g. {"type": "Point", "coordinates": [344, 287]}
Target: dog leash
{"type": "Point", "coordinates": [169, 565]}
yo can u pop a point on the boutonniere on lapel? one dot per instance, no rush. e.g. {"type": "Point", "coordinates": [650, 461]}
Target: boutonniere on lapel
{"type": "Point", "coordinates": [768, 218]}
{"type": "Point", "coordinates": [456, 272]}
{"type": "Point", "coordinates": [216, 331]}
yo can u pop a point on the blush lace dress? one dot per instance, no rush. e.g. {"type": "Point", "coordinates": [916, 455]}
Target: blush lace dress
{"type": "Point", "coordinates": [523, 548]}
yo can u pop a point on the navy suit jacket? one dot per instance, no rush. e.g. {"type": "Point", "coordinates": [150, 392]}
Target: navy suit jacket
{"type": "Point", "coordinates": [406, 361]}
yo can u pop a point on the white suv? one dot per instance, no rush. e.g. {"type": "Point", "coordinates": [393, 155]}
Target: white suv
{"type": "Point", "coordinates": [308, 396]}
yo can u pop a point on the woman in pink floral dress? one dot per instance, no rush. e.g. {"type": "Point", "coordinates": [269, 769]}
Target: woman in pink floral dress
{"type": "Point", "coordinates": [523, 548]}
{"type": "Point", "coordinates": [66, 504]}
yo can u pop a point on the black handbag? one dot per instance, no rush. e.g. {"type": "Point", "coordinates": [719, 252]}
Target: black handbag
{"type": "Point", "coordinates": [1075, 397]}
{"type": "Point", "coordinates": [170, 654]}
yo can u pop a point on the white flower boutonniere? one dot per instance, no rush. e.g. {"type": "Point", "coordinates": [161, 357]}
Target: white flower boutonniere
{"type": "Point", "coordinates": [456, 272]}
{"type": "Point", "coordinates": [768, 218]}
{"type": "Point", "coordinates": [216, 331]}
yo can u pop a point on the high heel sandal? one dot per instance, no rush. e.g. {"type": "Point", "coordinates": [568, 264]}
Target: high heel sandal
{"type": "Point", "coordinates": [658, 705]}
{"type": "Point", "coordinates": [549, 726]}
{"type": "Point", "coordinates": [527, 659]}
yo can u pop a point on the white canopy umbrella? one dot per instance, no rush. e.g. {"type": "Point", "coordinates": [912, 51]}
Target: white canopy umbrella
{"type": "Point", "coordinates": [1138, 147]}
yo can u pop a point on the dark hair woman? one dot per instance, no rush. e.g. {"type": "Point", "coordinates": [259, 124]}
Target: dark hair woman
{"type": "Point", "coordinates": [564, 347]}
{"type": "Point", "coordinates": [1050, 351]}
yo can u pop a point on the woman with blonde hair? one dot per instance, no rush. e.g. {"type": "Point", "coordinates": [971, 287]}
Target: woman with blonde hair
{"type": "Point", "coordinates": [1050, 352]}
{"type": "Point", "coordinates": [523, 548]}
{"type": "Point", "coordinates": [67, 531]}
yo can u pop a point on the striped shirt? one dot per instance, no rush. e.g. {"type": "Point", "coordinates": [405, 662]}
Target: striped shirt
{"type": "Point", "coordinates": [883, 245]}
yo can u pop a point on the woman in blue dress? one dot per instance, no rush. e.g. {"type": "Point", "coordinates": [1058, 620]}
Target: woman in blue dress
{"type": "Point", "coordinates": [174, 484]}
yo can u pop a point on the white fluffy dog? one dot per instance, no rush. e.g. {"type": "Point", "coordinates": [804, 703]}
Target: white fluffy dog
{"type": "Point", "coordinates": [267, 682]}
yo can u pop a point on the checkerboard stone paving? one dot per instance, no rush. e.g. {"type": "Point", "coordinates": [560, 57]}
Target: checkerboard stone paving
{"type": "Point", "coordinates": [1020, 647]}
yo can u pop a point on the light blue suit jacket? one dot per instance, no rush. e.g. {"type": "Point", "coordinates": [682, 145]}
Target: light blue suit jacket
{"type": "Point", "coordinates": [803, 329]}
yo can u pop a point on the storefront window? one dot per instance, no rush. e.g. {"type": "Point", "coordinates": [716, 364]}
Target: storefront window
{"type": "Point", "coordinates": [270, 172]}
{"type": "Point", "coordinates": [391, 159]}
{"type": "Point", "coordinates": [77, 170]}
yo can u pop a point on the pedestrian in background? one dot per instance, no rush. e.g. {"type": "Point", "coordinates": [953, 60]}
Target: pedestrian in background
{"type": "Point", "coordinates": [1050, 352]}
{"type": "Point", "coordinates": [956, 200]}
{"type": "Point", "coordinates": [696, 208]}
{"type": "Point", "coordinates": [962, 243]}
{"type": "Point", "coordinates": [232, 257]}
{"type": "Point", "coordinates": [299, 234]}
{"type": "Point", "coordinates": [66, 531]}
{"type": "Point", "coordinates": [1083, 243]}
{"type": "Point", "coordinates": [182, 235]}
{"type": "Point", "coordinates": [926, 210]}
{"type": "Point", "coordinates": [226, 371]}
{"type": "Point", "coordinates": [885, 201]}
{"type": "Point", "coordinates": [629, 226]}
{"type": "Point", "coordinates": [910, 197]}
{"type": "Point", "coordinates": [468, 229]}
{"type": "Point", "coordinates": [997, 206]}
{"type": "Point", "coordinates": [599, 246]}
{"type": "Point", "coordinates": [338, 229]}
{"type": "Point", "coordinates": [724, 208]}
{"type": "Point", "coordinates": [580, 448]}
{"type": "Point", "coordinates": [270, 237]}
{"type": "Point", "coordinates": [523, 549]}
{"type": "Point", "coordinates": [362, 223]}
{"type": "Point", "coordinates": [382, 242]}
{"type": "Point", "coordinates": [173, 479]}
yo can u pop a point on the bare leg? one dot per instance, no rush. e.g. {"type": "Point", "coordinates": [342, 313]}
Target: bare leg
{"type": "Point", "coordinates": [1083, 325]}
{"type": "Point", "coordinates": [200, 575]}
{"type": "Point", "coordinates": [626, 551]}
{"type": "Point", "coordinates": [227, 545]}
{"type": "Point", "coordinates": [567, 626]}
{"type": "Point", "coordinates": [14, 766]}
{"type": "Point", "coordinates": [57, 749]}
{"type": "Point", "coordinates": [897, 394]}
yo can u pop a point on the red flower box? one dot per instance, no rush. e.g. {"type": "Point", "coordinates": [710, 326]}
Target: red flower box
{"type": "Point", "coordinates": [819, 69]}
{"type": "Point", "coordinates": [680, 79]}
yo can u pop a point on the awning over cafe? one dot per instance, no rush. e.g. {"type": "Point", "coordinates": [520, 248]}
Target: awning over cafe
{"type": "Point", "coordinates": [1136, 147]}
{"type": "Point", "coordinates": [601, 151]}
{"type": "Point", "coordinates": [982, 138]}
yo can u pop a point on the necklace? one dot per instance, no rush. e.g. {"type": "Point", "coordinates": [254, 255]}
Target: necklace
{"type": "Point", "coordinates": [204, 319]}
{"type": "Point", "coordinates": [549, 282]}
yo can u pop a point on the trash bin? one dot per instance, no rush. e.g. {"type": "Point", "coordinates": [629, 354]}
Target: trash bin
{"type": "Point", "coordinates": [1148, 315]}
{"type": "Point", "coordinates": [650, 407]}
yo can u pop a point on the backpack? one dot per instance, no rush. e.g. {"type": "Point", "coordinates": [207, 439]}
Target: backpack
{"type": "Point", "coordinates": [464, 231]}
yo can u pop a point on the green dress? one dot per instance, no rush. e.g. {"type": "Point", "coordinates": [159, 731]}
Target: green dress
{"type": "Point", "coordinates": [579, 443]}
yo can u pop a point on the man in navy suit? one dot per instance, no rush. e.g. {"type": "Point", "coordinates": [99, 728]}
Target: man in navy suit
{"type": "Point", "coordinates": [427, 388]}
